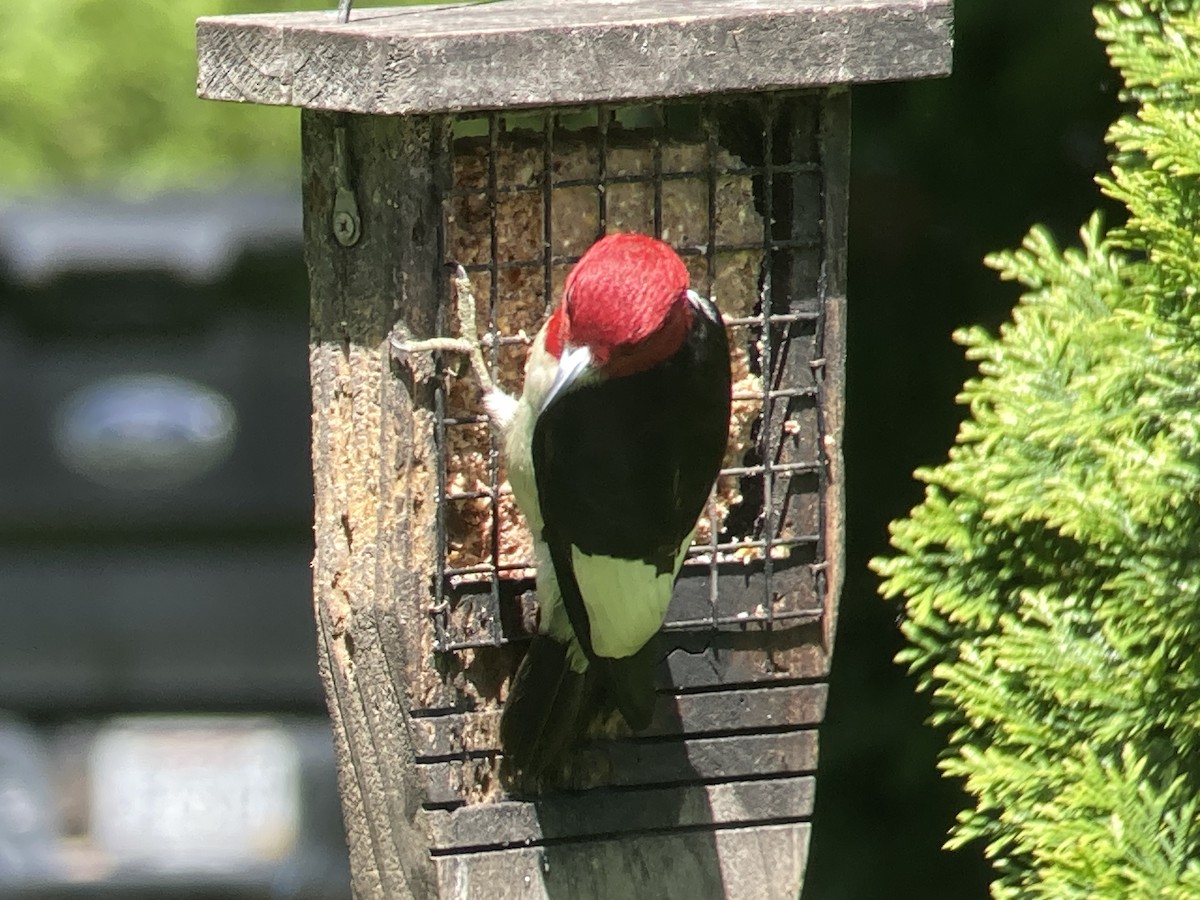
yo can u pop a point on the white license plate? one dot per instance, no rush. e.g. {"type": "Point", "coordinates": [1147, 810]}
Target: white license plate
{"type": "Point", "coordinates": [194, 792]}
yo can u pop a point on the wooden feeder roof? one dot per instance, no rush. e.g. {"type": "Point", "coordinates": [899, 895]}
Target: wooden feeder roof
{"type": "Point", "coordinates": [538, 53]}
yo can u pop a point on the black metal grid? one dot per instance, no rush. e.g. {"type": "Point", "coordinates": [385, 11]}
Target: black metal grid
{"type": "Point", "coordinates": [767, 565]}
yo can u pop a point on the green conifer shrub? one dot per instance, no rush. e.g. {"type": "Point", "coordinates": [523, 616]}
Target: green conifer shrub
{"type": "Point", "coordinates": [1051, 577]}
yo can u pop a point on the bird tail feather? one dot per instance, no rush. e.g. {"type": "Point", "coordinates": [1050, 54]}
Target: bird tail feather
{"type": "Point", "coordinates": [541, 720]}
{"type": "Point", "coordinates": [630, 682]}
{"type": "Point", "coordinates": [551, 707]}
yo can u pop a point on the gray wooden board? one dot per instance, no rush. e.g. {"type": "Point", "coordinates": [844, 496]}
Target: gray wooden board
{"type": "Point", "coordinates": [637, 763]}
{"type": "Point", "coordinates": [579, 816]}
{"type": "Point", "coordinates": [525, 53]}
{"type": "Point", "coordinates": [707, 659]}
{"type": "Point", "coordinates": [761, 863]}
{"type": "Point", "coordinates": [717, 712]}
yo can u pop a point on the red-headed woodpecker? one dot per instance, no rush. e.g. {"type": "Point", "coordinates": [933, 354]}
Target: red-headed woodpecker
{"type": "Point", "coordinates": [612, 450]}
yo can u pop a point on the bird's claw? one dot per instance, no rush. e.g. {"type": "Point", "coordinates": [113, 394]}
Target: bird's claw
{"type": "Point", "coordinates": [401, 348]}
{"type": "Point", "coordinates": [469, 344]}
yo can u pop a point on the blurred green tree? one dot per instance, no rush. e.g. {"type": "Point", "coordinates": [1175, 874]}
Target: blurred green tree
{"type": "Point", "coordinates": [102, 93]}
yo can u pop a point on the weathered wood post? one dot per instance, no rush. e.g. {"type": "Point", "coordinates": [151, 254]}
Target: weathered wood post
{"type": "Point", "coordinates": [508, 136]}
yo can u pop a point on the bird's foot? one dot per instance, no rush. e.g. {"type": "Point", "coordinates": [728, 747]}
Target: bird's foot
{"type": "Point", "coordinates": [499, 405]}
{"type": "Point", "coordinates": [402, 347]}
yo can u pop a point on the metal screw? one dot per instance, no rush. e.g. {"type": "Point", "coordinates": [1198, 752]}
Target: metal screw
{"type": "Point", "coordinates": [345, 227]}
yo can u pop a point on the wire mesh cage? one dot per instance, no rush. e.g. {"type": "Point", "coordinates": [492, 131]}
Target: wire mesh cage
{"type": "Point", "coordinates": [735, 184]}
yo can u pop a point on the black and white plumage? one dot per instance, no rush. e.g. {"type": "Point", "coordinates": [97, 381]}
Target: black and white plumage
{"type": "Point", "coordinates": [612, 451]}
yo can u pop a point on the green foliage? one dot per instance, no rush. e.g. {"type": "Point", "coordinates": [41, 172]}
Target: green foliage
{"type": "Point", "coordinates": [1052, 574]}
{"type": "Point", "coordinates": [103, 93]}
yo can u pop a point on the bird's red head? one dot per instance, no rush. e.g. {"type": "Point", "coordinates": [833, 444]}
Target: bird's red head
{"type": "Point", "coordinates": [626, 301]}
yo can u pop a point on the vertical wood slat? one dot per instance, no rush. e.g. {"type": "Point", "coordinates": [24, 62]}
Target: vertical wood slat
{"type": "Point", "coordinates": [834, 137]}
{"type": "Point", "coordinates": [373, 456]}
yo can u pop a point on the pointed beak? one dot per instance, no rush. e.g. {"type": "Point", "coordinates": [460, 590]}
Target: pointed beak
{"type": "Point", "coordinates": [573, 363]}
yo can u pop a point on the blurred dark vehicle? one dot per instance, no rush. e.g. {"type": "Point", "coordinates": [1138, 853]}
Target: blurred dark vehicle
{"type": "Point", "coordinates": [162, 726]}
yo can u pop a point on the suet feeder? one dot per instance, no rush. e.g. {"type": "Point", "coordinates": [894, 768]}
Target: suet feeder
{"type": "Point", "coordinates": [507, 137]}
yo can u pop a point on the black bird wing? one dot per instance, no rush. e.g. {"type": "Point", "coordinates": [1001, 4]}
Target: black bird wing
{"type": "Point", "coordinates": [623, 469]}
